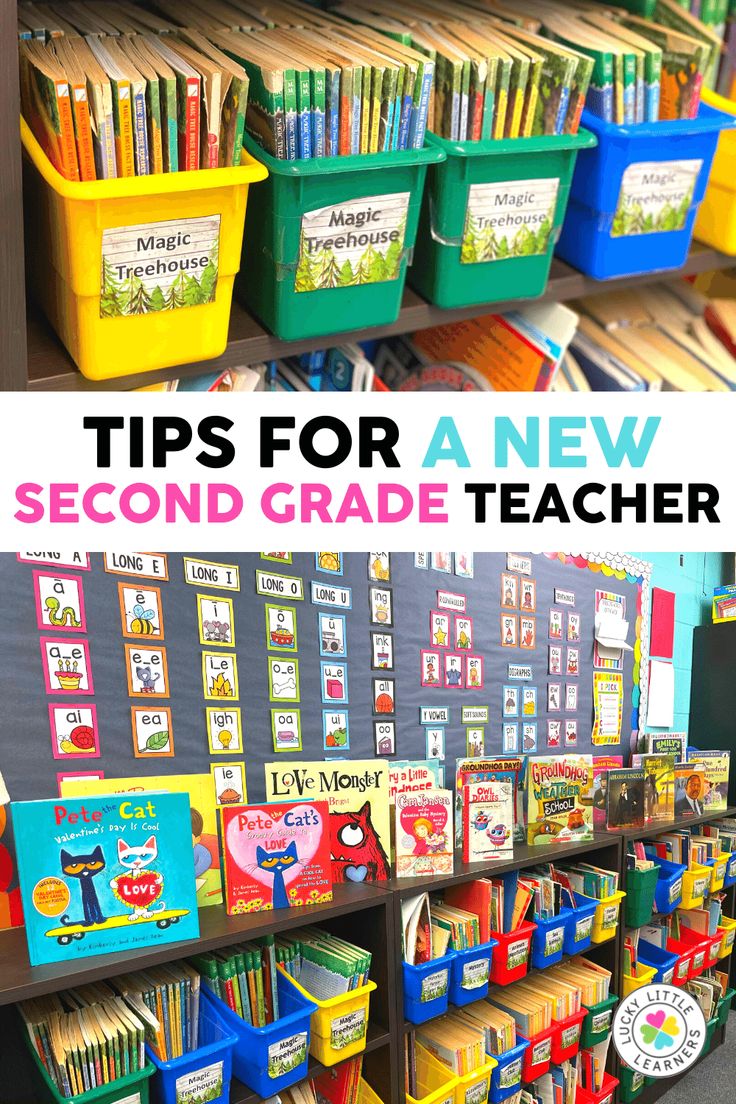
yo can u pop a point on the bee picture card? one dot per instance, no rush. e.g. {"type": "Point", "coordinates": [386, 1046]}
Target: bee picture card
{"type": "Point", "coordinates": [104, 874]}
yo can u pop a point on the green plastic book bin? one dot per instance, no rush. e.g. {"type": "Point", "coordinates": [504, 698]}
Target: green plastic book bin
{"type": "Point", "coordinates": [631, 1084]}
{"type": "Point", "coordinates": [641, 885]}
{"type": "Point", "coordinates": [725, 1007]}
{"type": "Point", "coordinates": [327, 245]}
{"type": "Point", "coordinates": [597, 1023]}
{"type": "Point", "coordinates": [134, 1087]}
{"type": "Point", "coordinates": [491, 217]}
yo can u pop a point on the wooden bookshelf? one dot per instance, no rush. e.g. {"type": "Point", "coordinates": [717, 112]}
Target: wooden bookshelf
{"type": "Point", "coordinates": [50, 368]}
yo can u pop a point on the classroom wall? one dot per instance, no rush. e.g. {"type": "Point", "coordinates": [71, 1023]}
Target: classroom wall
{"type": "Point", "coordinates": [692, 575]}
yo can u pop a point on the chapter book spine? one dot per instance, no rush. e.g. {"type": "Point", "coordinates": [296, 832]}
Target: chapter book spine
{"type": "Point", "coordinates": [489, 99]}
{"type": "Point", "coordinates": [83, 132]}
{"type": "Point", "coordinates": [333, 102]}
{"type": "Point", "coordinates": [123, 119]}
{"type": "Point", "coordinates": [155, 136]}
{"type": "Point", "coordinates": [503, 90]}
{"type": "Point", "coordinates": [291, 116]}
{"type": "Point", "coordinates": [304, 112]}
{"type": "Point", "coordinates": [190, 153]}
{"type": "Point", "coordinates": [140, 132]}
{"type": "Point", "coordinates": [420, 114]}
{"type": "Point", "coordinates": [318, 110]}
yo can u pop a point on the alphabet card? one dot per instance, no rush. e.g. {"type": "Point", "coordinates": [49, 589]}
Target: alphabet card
{"type": "Point", "coordinates": [572, 666]}
{"type": "Point", "coordinates": [528, 595]}
{"type": "Point", "coordinates": [380, 605]}
{"type": "Point", "coordinates": [382, 651]}
{"type": "Point", "coordinates": [442, 561]}
{"type": "Point", "coordinates": [555, 660]}
{"type": "Point", "coordinates": [229, 779]}
{"type": "Point", "coordinates": [283, 679]}
{"type": "Point", "coordinates": [554, 697]}
{"type": "Point", "coordinates": [329, 562]}
{"type": "Point", "coordinates": [439, 629]}
{"type": "Point", "coordinates": [220, 676]}
{"type": "Point", "coordinates": [453, 671]}
{"type": "Point", "coordinates": [474, 672]}
{"type": "Point", "coordinates": [104, 874]}
{"type": "Point", "coordinates": [224, 730]}
{"type": "Point", "coordinates": [334, 682]}
{"type": "Point", "coordinates": [215, 617]}
{"type": "Point", "coordinates": [464, 564]}
{"type": "Point", "coordinates": [554, 734]}
{"type": "Point", "coordinates": [379, 567]}
{"type": "Point", "coordinates": [510, 736]}
{"type": "Point", "coordinates": [509, 590]}
{"type": "Point", "coordinates": [510, 701]}
{"type": "Point", "coordinates": [384, 737]}
{"type": "Point", "coordinates": [335, 730]}
{"type": "Point", "coordinates": [333, 639]}
{"type": "Point", "coordinates": [59, 602]}
{"type": "Point", "coordinates": [555, 624]}
{"type": "Point", "coordinates": [140, 611]}
{"type": "Point", "coordinates": [509, 630]}
{"type": "Point", "coordinates": [573, 628]}
{"type": "Point", "coordinates": [384, 699]}
{"type": "Point", "coordinates": [463, 637]}
{"type": "Point", "coordinates": [148, 675]}
{"type": "Point", "coordinates": [435, 740]}
{"type": "Point", "coordinates": [66, 666]}
{"type": "Point", "coordinates": [475, 741]}
{"type": "Point", "coordinates": [571, 697]}
{"type": "Point", "coordinates": [571, 733]}
{"type": "Point", "coordinates": [527, 633]}
{"type": "Point", "coordinates": [74, 733]}
{"type": "Point", "coordinates": [153, 736]}
{"type": "Point", "coordinates": [276, 856]}
{"type": "Point", "coordinates": [281, 628]}
{"type": "Point", "coordinates": [286, 729]}
{"type": "Point", "coordinates": [529, 736]}
{"type": "Point", "coordinates": [430, 668]}
{"type": "Point", "coordinates": [528, 701]}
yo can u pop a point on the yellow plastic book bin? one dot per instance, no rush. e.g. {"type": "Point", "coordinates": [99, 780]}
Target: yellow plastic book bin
{"type": "Point", "coordinates": [605, 918]}
{"type": "Point", "coordinates": [716, 221]}
{"type": "Point", "coordinates": [695, 883]}
{"type": "Point", "coordinates": [436, 1083]}
{"type": "Point", "coordinates": [642, 975]}
{"type": "Point", "coordinates": [136, 273]}
{"type": "Point", "coordinates": [728, 927]}
{"type": "Point", "coordinates": [367, 1095]}
{"type": "Point", "coordinates": [473, 1088]}
{"type": "Point", "coordinates": [339, 1024]}
{"type": "Point", "coordinates": [718, 872]}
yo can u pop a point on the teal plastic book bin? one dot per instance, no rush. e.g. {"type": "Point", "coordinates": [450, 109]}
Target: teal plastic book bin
{"type": "Point", "coordinates": [327, 244]}
{"type": "Point", "coordinates": [641, 886]}
{"type": "Point", "coordinates": [491, 215]}
{"type": "Point", "coordinates": [204, 1073]}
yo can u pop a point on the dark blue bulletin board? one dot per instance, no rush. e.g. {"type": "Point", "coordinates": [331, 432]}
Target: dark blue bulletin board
{"type": "Point", "coordinates": [402, 631]}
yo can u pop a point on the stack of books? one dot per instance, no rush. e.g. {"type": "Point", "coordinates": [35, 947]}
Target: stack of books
{"type": "Point", "coordinates": [325, 965]}
{"type": "Point", "coordinates": [85, 1038]}
{"type": "Point", "coordinates": [501, 904]}
{"type": "Point", "coordinates": [461, 1048]}
{"type": "Point", "coordinates": [591, 881]}
{"type": "Point", "coordinates": [244, 977]}
{"type": "Point", "coordinates": [167, 999]}
{"type": "Point", "coordinates": [337, 1085]}
{"type": "Point", "coordinates": [594, 981]}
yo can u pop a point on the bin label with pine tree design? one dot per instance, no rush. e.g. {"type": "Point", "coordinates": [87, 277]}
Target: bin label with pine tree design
{"type": "Point", "coordinates": [655, 197]}
{"type": "Point", "coordinates": [353, 243]}
{"type": "Point", "coordinates": [159, 266]}
{"type": "Point", "coordinates": [201, 1085]}
{"type": "Point", "coordinates": [286, 1054]}
{"type": "Point", "coordinates": [513, 218]}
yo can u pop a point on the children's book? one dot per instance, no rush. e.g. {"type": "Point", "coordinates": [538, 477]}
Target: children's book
{"type": "Point", "coordinates": [103, 874]}
{"type": "Point", "coordinates": [203, 816]}
{"type": "Point", "coordinates": [276, 856]}
{"type": "Point", "coordinates": [424, 836]}
{"type": "Point", "coordinates": [559, 798]}
{"type": "Point", "coordinates": [413, 775]}
{"type": "Point", "coordinates": [625, 798]}
{"type": "Point", "coordinates": [689, 789]}
{"type": "Point", "coordinates": [356, 791]}
{"type": "Point", "coordinates": [717, 766]}
{"type": "Point", "coordinates": [488, 820]}
{"type": "Point", "coordinates": [659, 785]}
{"type": "Point", "coordinates": [601, 766]}
{"type": "Point", "coordinates": [668, 743]}
{"type": "Point", "coordinates": [510, 768]}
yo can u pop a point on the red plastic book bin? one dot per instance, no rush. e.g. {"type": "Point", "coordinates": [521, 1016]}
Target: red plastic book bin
{"type": "Point", "coordinates": [701, 945]}
{"type": "Point", "coordinates": [511, 957]}
{"type": "Point", "coordinates": [538, 1055]}
{"type": "Point", "coordinates": [606, 1095]}
{"type": "Point", "coordinates": [684, 952]}
{"type": "Point", "coordinates": [566, 1036]}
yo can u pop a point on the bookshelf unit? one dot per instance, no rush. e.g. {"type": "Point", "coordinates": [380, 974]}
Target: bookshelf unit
{"type": "Point", "coordinates": [369, 915]}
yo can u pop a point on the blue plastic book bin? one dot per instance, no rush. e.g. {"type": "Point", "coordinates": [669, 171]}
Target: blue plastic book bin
{"type": "Point", "coordinates": [662, 961]}
{"type": "Point", "coordinates": [469, 973]}
{"type": "Point", "coordinates": [635, 195]}
{"type": "Point", "coordinates": [730, 878]}
{"type": "Point", "coordinates": [203, 1071]}
{"type": "Point", "coordinates": [427, 988]}
{"type": "Point", "coordinates": [548, 941]}
{"type": "Point", "coordinates": [506, 1076]}
{"type": "Point", "coordinates": [579, 927]}
{"type": "Point", "coordinates": [668, 894]}
{"type": "Point", "coordinates": [269, 1059]}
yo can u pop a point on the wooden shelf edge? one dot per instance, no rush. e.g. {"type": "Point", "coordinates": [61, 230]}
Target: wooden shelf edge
{"type": "Point", "coordinates": [51, 369]}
